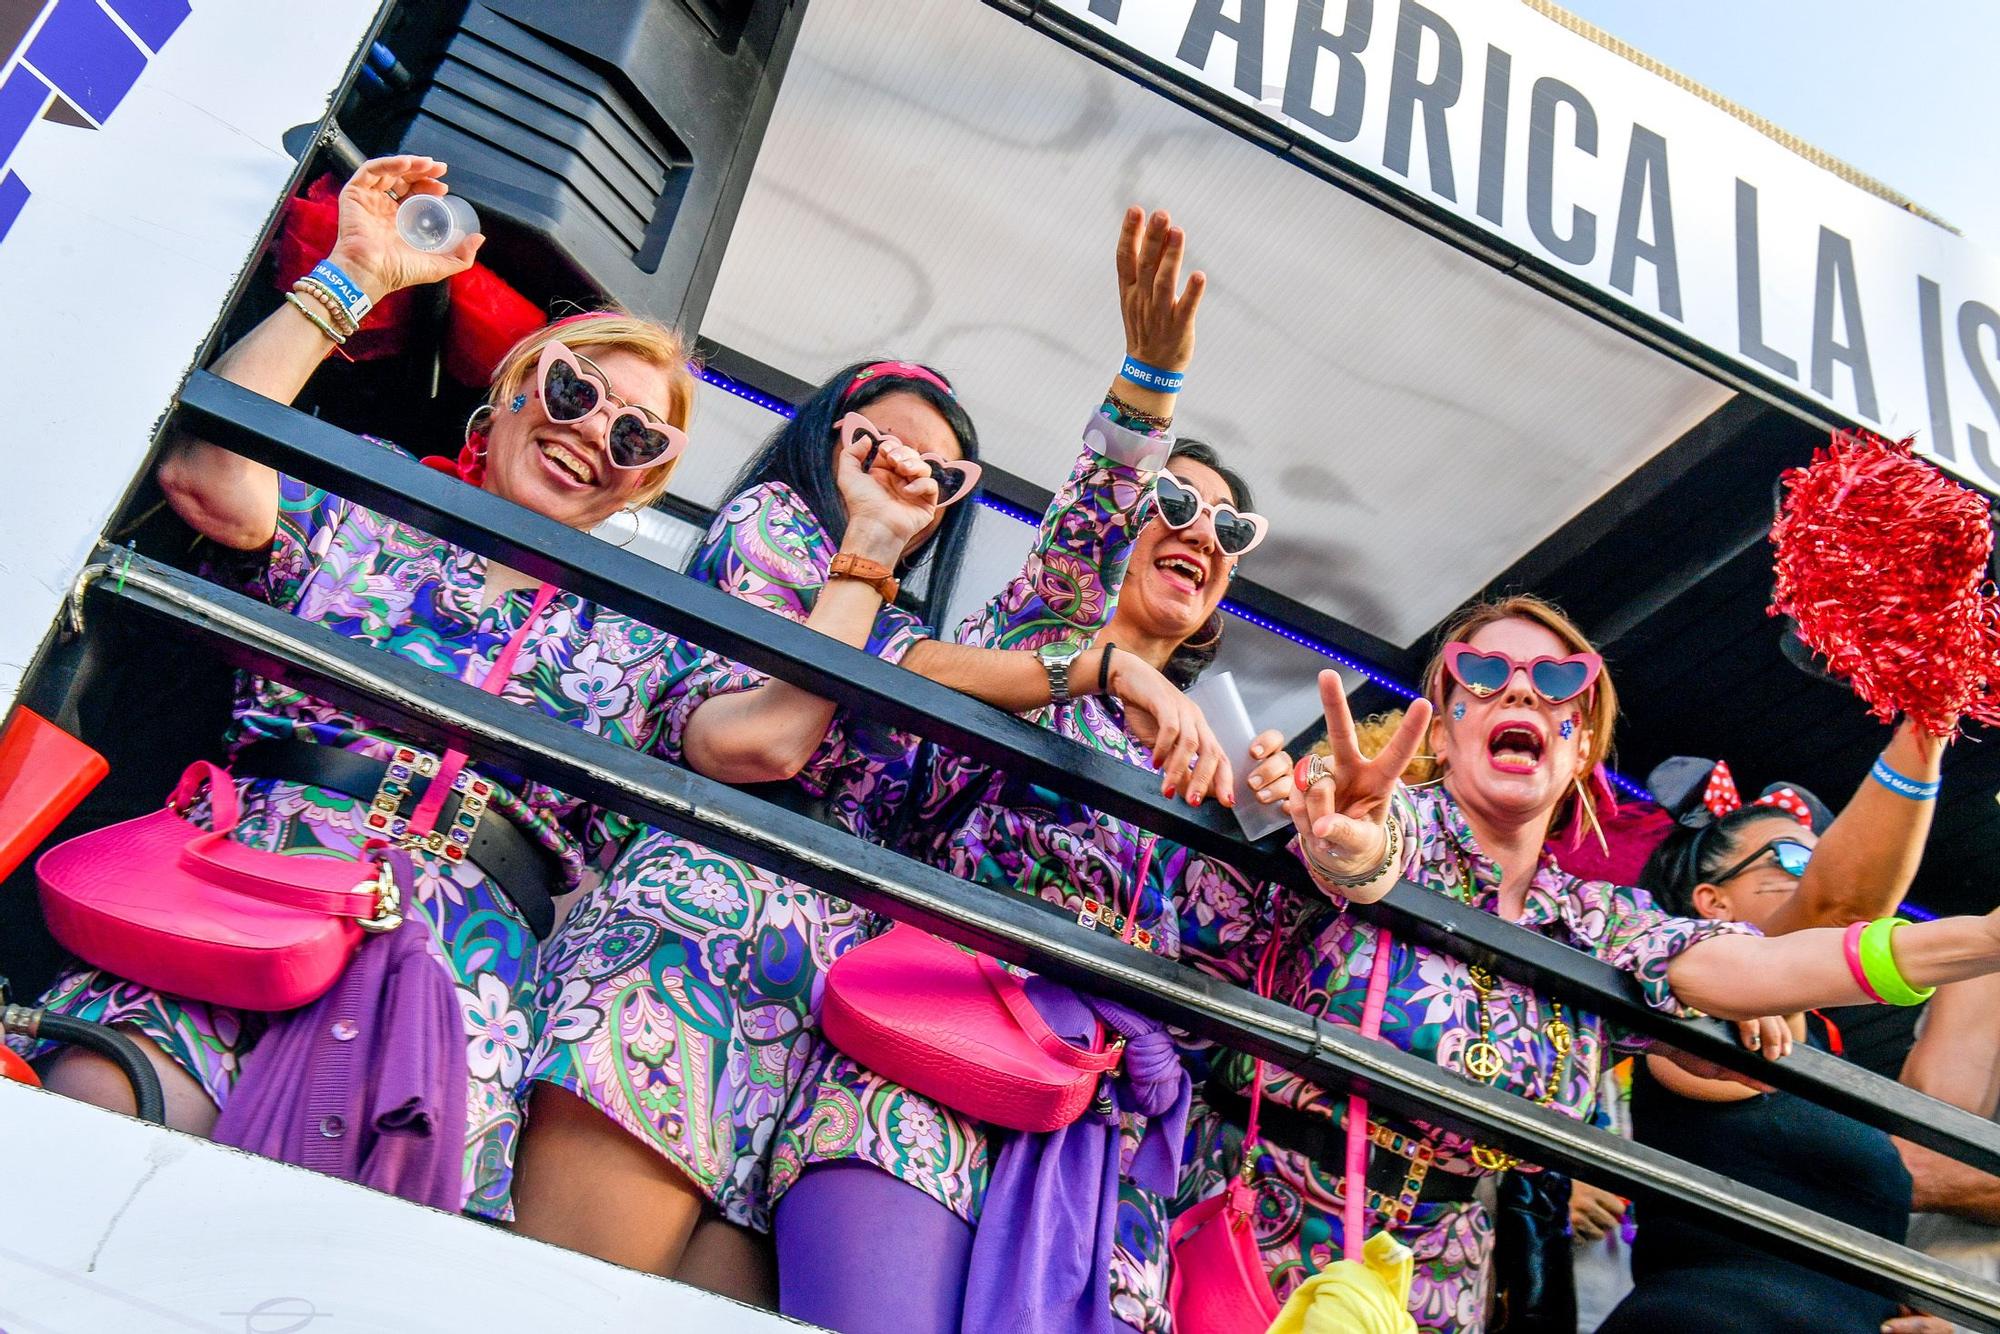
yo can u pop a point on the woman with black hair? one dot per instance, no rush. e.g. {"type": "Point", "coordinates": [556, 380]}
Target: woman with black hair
{"type": "Point", "coordinates": [678, 997]}
{"type": "Point", "coordinates": [1781, 864]}
{"type": "Point", "coordinates": [897, 1212]}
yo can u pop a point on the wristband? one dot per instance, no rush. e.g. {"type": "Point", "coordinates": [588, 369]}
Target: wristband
{"type": "Point", "coordinates": [1878, 964]}
{"type": "Point", "coordinates": [1850, 945]}
{"type": "Point", "coordinates": [1901, 785]}
{"type": "Point", "coordinates": [1152, 377]}
{"type": "Point", "coordinates": [1104, 672]}
{"type": "Point", "coordinates": [344, 288]}
{"type": "Point", "coordinates": [1390, 868]}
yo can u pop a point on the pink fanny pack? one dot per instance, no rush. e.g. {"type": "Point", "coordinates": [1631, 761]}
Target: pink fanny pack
{"type": "Point", "coordinates": [192, 912]}
{"type": "Point", "coordinates": [1219, 1285]}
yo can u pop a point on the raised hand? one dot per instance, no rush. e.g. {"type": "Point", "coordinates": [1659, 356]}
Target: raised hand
{"type": "Point", "coordinates": [888, 489]}
{"type": "Point", "coordinates": [1159, 312]}
{"type": "Point", "coordinates": [1340, 818]}
{"type": "Point", "coordinates": [367, 247]}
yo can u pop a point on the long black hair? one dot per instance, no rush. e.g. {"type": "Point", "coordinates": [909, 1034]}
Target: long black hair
{"type": "Point", "coordinates": [800, 454]}
{"type": "Point", "coordinates": [1192, 658]}
{"type": "Point", "coordinates": [1690, 856]}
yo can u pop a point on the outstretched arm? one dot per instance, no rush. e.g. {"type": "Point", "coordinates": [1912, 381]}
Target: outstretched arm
{"type": "Point", "coordinates": [230, 499]}
{"type": "Point", "coordinates": [1741, 976]}
{"type": "Point", "coordinates": [1864, 863]}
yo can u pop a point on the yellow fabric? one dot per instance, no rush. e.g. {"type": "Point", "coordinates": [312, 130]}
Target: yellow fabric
{"type": "Point", "coordinates": [1372, 1297]}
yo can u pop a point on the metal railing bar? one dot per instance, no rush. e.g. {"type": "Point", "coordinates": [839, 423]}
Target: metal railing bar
{"type": "Point", "coordinates": [345, 465]}
{"type": "Point", "coordinates": [435, 708]}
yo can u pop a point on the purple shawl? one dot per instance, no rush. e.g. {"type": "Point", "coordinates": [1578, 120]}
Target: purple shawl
{"type": "Point", "coordinates": [367, 1083]}
{"type": "Point", "coordinates": [1041, 1257]}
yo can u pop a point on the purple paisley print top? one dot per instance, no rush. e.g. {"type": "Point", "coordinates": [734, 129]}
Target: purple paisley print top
{"type": "Point", "coordinates": [384, 583]}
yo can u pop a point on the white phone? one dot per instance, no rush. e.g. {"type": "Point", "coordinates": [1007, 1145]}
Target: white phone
{"type": "Point", "coordinates": [1216, 696]}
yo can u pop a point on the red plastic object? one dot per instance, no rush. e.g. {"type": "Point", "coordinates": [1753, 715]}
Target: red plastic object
{"type": "Point", "coordinates": [44, 773]}
{"type": "Point", "coordinates": [14, 1068]}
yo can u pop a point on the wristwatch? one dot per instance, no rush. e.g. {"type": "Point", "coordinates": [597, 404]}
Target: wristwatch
{"type": "Point", "coordinates": [877, 576]}
{"type": "Point", "coordinates": [1057, 657]}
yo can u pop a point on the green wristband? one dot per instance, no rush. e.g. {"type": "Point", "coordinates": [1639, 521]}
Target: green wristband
{"type": "Point", "coordinates": [1878, 964]}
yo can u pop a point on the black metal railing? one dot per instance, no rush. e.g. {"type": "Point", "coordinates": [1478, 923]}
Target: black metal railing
{"type": "Point", "coordinates": [437, 709]}
{"type": "Point", "coordinates": [345, 465]}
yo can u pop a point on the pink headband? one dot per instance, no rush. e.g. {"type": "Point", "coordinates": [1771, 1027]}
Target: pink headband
{"type": "Point", "coordinates": [908, 370]}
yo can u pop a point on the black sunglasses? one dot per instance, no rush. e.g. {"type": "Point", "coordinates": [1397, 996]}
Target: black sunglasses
{"type": "Point", "coordinates": [1790, 854]}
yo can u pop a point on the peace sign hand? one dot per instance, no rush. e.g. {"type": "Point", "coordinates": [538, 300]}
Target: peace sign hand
{"type": "Point", "coordinates": [368, 248]}
{"type": "Point", "coordinates": [1341, 817]}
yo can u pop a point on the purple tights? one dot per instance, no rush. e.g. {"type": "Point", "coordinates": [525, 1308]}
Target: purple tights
{"type": "Point", "coordinates": [863, 1253]}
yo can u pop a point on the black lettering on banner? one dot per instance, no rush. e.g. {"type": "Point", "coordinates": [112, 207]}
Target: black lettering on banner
{"type": "Point", "coordinates": [1975, 317]}
{"type": "Point", "coordinates": [1309, 39]}
{"type": "Point", "coordinates": [1750, 288]}
{"type": "Point", "coordinates": [1493, 137]}
{"type": "Point", "coordinates": [1407, 90]}
{"type": "Point", "coordinates": [1208, 22]}
{"type": "Point", "coordinates": [1581, 243]}
{"type": "Point", "coordinates": [1834, 283]}
{"type": "Point", "coordinates": [1937, 387]}
{"type": "Point", "coordinates": [1106, 9]}
{"type": "Point", "coordinates": [1646, 180]}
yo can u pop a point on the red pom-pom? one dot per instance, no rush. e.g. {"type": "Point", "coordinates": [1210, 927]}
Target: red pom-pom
{"type": "Point", "coordinates": [1882, 564]}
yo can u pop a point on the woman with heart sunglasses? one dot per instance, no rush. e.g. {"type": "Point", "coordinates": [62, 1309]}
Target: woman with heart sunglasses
{"type": "Point", "coordinates": [580, 420]}
{"type": "Point", "coordinates": [1782, 863]}
{"type": "Point", "coordinates": [1517, 710]}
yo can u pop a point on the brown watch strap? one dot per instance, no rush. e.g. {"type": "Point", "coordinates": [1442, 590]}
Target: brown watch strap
{"type": "Point", "coordinates": [877, 576]}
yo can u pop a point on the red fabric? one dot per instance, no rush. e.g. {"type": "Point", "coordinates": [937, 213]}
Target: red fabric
{"type": "Point", "coordinates": [485, 318]}
{"type": "Point", "coordinates": [1882, 564]}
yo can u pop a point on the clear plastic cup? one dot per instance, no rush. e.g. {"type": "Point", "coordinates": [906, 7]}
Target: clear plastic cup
{"type": "Point", "coordinates": [435, 222]}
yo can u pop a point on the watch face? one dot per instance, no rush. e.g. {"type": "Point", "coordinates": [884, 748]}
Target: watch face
{"type": "Point", "coordinates": [1062, 651]}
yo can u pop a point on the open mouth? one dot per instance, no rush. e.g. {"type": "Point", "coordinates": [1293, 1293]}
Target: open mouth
{"type": "Point", "coordinates": [578, 468]}
{"type": "Point", "coordinates": [1192, 572]}
{"type": "Point", "coordinates": [1516, 747]}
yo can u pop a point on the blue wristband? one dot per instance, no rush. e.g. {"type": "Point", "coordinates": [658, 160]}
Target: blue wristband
{"type": "Point", "coordinates": [344, 288]}
{"type": "Point", "coordinates": [1900, 785]}
{"type": "Point", "coordinates": [1152, 377]}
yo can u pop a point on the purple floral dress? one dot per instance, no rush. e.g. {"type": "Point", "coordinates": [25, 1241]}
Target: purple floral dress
{"type": "Point", "coordinates": [384, 583]}
{"type": "Point", "coordinates": [1010, 834]}
{"type": "Point", "coordinates": [1433, 1011]}
{"type": "Point", "coordinates": [679, 996]}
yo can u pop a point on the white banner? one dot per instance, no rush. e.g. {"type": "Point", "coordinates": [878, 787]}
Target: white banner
{"type": "Point", "coordinates": [1654, 196]}
{"type": "Point", "coordinates": [139, 161]}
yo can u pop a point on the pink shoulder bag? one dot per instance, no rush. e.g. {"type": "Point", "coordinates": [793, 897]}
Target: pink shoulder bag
{"type": "Point", "coordinates": [1219, 1285]}
{"type": "Point", "coordinates": [960, 1029]}
{"type": "Point", "coordinates": [194, 913]}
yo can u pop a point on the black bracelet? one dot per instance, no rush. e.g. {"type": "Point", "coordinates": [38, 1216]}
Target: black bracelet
{"type": "Point", "coordinates": [1104, 671]}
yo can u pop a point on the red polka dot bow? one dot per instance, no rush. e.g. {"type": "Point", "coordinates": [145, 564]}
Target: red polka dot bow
{"type": "Point", "coordinates": [1721, 797]}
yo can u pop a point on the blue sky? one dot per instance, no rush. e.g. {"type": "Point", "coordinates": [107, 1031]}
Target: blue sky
{"type": "Point", "coordinates": [1901, 89]}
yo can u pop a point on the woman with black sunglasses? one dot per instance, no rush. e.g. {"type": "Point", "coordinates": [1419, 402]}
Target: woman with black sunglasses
{"type": "Point", "coordinates": [679, 996]}
{"type": "Point", "coordinates": [1782, 865]}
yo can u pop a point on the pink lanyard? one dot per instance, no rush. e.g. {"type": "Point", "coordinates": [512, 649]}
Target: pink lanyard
{"type": "Point", "coordinates": [1354, 1189]}
{"type": "Point", "coordinates": [453, 761]}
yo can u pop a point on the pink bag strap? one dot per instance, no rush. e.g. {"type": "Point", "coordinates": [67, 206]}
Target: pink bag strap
{"type": "Point", "coordinates": [321, 884]}
{"type": "Point", "coordinates": [1096, 1061]}
{"type": "Point", "coordinates": [424, 818]}
{"type": "Point", "coordinates": [1263, 980]}
{"type": "Point", "coordinates": [224, 811]}
{"type": "Point", "coordinates": [1141, 868]}
{"type": "Point", "coordinates": [1354, 1189]}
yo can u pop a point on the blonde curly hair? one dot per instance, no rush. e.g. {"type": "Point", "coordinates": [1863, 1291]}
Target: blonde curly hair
{"type": "Point", "coordinates": [1372, 733]}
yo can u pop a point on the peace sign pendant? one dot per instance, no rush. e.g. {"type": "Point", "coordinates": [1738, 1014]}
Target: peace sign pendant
{"type": "Point", "coordinates": [1482, 1061]}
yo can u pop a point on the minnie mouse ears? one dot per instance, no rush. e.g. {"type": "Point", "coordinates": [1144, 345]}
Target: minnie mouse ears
{"type": "Point", "coordinates": [1698, 792]}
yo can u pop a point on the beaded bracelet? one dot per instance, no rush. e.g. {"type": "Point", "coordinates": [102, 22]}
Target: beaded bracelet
{"type": "Point", "coordinates": [1902, 785]}
{"type": "Point", "coordinates": [1878, 963]}
{"type": "Point", "coordinates": [328, 303]}
{"type": "Point", "coordinates": [304, 308]}
{"type": "Point", "coordinates": [1152, 377]}
{"type": "Point", "coordinates": [1389, 868]}
{"type": "Point", "coordinates": [1158, 421]}
{"type": "Point", "coordinates": [345, 290]}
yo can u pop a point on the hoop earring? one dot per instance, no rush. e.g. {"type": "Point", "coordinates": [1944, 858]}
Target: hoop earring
{"type": "Point", "coordinates": [475, 427]}
{"type": "Point", "coordinates": [1212, 637]}
{"type": "Point", "coordinates": [632, 513]}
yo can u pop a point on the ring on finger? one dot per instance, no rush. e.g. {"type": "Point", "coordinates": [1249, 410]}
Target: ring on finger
{"type": "Point", "coordinates": [1312, 769]}
{"type": "Point", "coordinates": [390, 191]}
